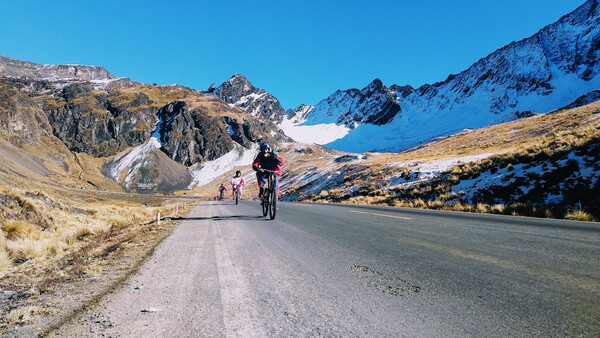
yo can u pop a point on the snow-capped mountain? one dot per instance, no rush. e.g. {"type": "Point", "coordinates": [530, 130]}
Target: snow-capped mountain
{"type": "Point", "coordinates": [239, 92]}
{"type": "Point", "coordinates": [375, 104]}
{"type": "Point", "coordinates": [543, 72]}
{"type": "Point", "coordinates": [297, 115]}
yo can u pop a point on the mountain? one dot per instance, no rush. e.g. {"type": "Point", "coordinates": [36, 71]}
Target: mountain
{"type": "Point", "coordinates": [239, 92]}
{"type": "Point", "coordinates": [152, 138]}
{"type": "Point", "coordinates": [538, 74]}
{"type": "Point", "coordinates": [10, 67]}
{"type": "Point", "coordinates": [544, 165]}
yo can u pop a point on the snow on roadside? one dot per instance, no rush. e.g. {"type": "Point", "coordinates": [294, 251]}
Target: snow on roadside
{"type": "Point", "coordinates": [206, 172]}
{"type": "Point", "coordinates": [429, 169]}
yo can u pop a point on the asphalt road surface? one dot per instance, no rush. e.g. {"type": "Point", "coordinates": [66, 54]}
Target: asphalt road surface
{"type": "Point", "coordinates": [331, 270]}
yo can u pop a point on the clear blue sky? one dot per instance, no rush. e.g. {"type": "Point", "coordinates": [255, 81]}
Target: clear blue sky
{"type": "Point", "coordinates": [300, 51]}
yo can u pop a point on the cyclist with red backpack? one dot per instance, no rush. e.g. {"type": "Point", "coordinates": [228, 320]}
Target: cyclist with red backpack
{"type": "Point", "coordinates": [267, 159]}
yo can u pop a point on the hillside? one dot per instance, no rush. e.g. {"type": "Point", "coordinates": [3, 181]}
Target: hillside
{"type": "Point", "coordinates": [544, 165]}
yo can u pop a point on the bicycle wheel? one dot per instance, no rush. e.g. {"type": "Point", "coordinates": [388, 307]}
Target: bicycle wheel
{"type": "Point", "coordinates": [265, 203]}
{"type": "Point", "coordinates": [237, 196]}
{"type": "Point", "coordinates": [273, 204]}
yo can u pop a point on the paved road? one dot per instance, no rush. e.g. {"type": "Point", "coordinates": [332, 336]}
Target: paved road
{"type": "Point", "coordinates": [330, 270]}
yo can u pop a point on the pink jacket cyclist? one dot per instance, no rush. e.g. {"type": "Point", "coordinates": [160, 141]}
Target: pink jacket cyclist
{"type": "Point", "coordinates": [237, 182]}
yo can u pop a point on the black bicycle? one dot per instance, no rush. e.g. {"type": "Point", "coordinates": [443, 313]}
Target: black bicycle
{"type": "Point", "coordinates": [269, 200]}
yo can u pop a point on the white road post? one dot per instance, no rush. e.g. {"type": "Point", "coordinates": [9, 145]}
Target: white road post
{"type": "Point", "coordinates": [158, 218]}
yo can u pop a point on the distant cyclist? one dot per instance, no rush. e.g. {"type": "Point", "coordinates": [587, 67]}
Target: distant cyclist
{"type": "Point", "coordinates": [269, 160]}
{"type": "Point", "coordinates": [222, 191]}
{"type": "Point", "coordinates": [237, 182]}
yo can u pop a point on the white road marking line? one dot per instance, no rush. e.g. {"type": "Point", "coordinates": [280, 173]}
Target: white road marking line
{"type": "Point", "coordinates": [374, 214]}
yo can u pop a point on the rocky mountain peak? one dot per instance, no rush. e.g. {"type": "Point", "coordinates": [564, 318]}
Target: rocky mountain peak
{"type": "Point", "coordinates": [402, 91]}
{"type": "Point", "coordinates": [239, 92]}
{"type": "Point", "coordinates": [212, 89]}
{"type": "Point", "coordinates": [297, 114]}
{"type": "Point", "coordinates": [374, 104]}
{"type": "Point", "coordinates": [375, 85]}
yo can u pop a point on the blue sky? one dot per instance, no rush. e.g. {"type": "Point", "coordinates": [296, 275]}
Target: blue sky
{"type": "Point", "coordinates": [300, 51]}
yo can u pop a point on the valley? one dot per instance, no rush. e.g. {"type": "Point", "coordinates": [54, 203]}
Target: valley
{"type": "Point", "coordinates": [88, 159]}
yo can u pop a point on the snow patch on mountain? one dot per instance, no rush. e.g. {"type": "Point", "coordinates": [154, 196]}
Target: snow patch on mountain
{"type": "Point", "coordinates": [318, 134]}
{"type": "Point", "coordinates": [204, 173]}
{"type": "Point", "coordinates": [249, 98]}
{"type": "Point", "coordinates": [132, 161]}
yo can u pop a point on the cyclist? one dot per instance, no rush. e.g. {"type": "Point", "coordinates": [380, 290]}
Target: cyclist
{"type": "Point", "coordinates": [237, 182]}
{"type": "Point", "coordinates": [269, 160]}
{"type": "Point", "coordinates": [221, 191]}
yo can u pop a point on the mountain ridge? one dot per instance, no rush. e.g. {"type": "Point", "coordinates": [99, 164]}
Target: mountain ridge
{"type": "Point", "coordinates": [20, 68]}
{"type": "Point", "coordinates": [539, 73]}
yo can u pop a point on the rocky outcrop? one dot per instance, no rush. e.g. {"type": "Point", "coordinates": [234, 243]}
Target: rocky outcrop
{"type": "Point", "coordinates": [91, 111]}
{"type": "Point", "coordinates": [211, 89]}
{"type": "Point", "coordinates": [239, 92]}
{"type": "Point", "coordinates": [191, 135]}
{"type": "Point", "coordinates": [21, 119]}
{"type": "Point", "coordinates": [10, 67]}
{"type": "Point", "coordinates": [94, 122]}
{"type": "Point", "coordinates": [299, 113]}
{"type": "Point", "coordinates": [587, 98]}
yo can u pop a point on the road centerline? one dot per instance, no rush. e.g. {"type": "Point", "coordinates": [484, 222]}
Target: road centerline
{"type": "Point", "coordinates": [376, 214]}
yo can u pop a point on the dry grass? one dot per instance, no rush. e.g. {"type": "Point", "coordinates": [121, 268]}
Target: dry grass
{"type": "Point", "coordinates": [21, 315]}
{"type": "Point", "coordinates": [579, 215]}
{"type": "Point", "coordinates": [44, 223]}
{"type": "Point", "coordinates": [18, 229]}
{"type": "Point", "coordinates": [52, 236]}
{"type": "Point", "coordinates": [5, 260]}
{"type": "Point", "coordinates": [482, 208]}
{"type": "Point", "coordinates": [26, 249]}
{"type": "Point", "coordinates": [497, 208]}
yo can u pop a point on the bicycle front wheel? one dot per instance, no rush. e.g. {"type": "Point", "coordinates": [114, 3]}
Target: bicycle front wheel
{"type": "Point", "coordinates": [273, 204]}
{"type": "Point", "coordinates": [265, 204]}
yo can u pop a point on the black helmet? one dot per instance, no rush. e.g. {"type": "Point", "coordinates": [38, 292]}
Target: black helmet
{"type": "Point", "coordinates": [237, 172]}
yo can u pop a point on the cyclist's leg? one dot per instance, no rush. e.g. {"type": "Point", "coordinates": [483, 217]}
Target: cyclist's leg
{"type": "Point", "coordinates": [276, 177]}
{"type": "Point", "coordinates": [260, 179]}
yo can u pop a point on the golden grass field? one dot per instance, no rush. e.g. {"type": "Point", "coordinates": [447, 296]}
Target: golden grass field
{"type": "Point", "coordinates": [54, 236]}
